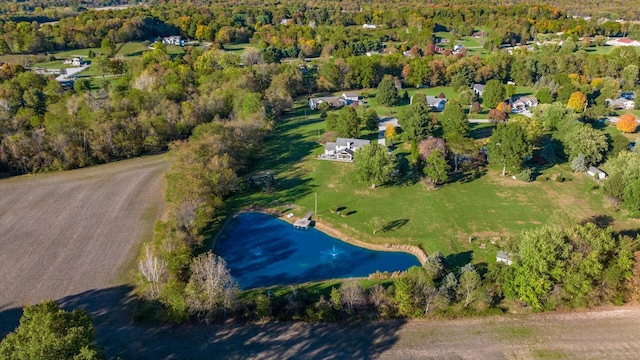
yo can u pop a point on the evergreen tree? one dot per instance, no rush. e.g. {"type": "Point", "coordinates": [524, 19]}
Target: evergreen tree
{"type": "Point", "coordinates": [387, 93]}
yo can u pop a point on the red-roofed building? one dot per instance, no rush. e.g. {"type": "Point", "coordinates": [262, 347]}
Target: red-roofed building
{"type": "Point", "coordinates": [623, 42]}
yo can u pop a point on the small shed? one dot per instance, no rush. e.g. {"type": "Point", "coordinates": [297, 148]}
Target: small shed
{"type": "Point", "coordinates": [504, 257]}
{"type": "Point", "coordinates": [595, 172]}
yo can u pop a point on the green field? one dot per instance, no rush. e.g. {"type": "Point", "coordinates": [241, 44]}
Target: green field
{"type": "Point", "coordinates": [483, 206]}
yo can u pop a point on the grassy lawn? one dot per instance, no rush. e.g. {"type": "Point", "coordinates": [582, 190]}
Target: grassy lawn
{"type": "Point", "coordinates": [484, 206]}
{"type": "Point", "coordinates": [238, 48]}
{"type": "Point", "coordinates": [133, 49]}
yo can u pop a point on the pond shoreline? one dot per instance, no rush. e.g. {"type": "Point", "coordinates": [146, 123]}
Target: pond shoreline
{"type": "Point", "coordinates": [416, 251]}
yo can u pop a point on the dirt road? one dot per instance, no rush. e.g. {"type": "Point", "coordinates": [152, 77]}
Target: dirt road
{"type": "Point", "coordinates": [65, 233]}
{"type": "Point", "coordinates": [609, 333]}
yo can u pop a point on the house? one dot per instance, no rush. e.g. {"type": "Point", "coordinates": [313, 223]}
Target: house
{"type": "Point", "coordinates": [478, 89]}
{"type": "Point", "coordinates": [350, 97]}
{"type": "Point", "coordinates": [287, 22]}
{"type": "Point", "coordinates": [458, 48]}
{"type": "Point", "coordinates": [343, 149]}
{"type": "Point", "coordinates": [504, 257]}
{"type": "Point", "coordinates": [333, 101]}
{"type": "Point", "coordinates": [595, 172]}
{"type": "Point", "coordinates": [620, 103]}
{"type": "Point", "coordinates": [523, 103]}
{"type": "Point", "coordinates": [369, 26]}
{"type": "Point", "coordinates": [623, 42]}
{"type": "Point", "coordinates": [173, 40]}
{"type": "Point", "coordinates": [75, 61]}
{"type": "Point", "coordinates": [436, 102]}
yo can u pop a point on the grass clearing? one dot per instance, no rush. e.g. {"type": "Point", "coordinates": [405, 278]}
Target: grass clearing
{"type": "Point", "coordinates": [484, 206]}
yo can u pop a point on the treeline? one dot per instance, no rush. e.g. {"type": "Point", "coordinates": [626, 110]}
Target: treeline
{"type": "Point", "coordinates": [324, 27]}
{"type": "Point", "coordinates": [157, 100]}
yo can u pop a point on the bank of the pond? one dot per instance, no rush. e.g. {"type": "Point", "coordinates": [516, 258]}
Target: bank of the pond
{"type": "Point", "coordinates": [263, 250]}
{"type": "Point", "coordinates": [331, 231]}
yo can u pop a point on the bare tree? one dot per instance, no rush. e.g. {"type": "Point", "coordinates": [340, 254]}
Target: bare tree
{"type": "Point", "coordinates": [211, 289]}
{"type": "Point", "coordinates": [377, 295]}
{"type": "Point", "coordinates": [352, 295]}
{"type": "Point", "coordinates": [251, 56]}
{"type": "Point", "coordinates": [154, 270]}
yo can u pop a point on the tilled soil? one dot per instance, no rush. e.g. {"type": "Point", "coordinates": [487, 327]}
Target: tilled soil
{"type": "Point", "coordinates": [66, 233]}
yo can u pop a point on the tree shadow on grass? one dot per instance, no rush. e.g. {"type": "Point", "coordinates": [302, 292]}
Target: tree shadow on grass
{"type": "Point", "coordinates": [111, 312]}
{"type": "Point", "coordinates": [455, 261]}
{"type": "Point", "coordinates": [468, 176]}
{"type": "Point", "coordinates": [394, 225]}
{"type": "Point", "coordinates": [601, 221]}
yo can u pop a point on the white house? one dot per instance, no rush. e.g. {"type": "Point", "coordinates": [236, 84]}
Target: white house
{"type": "Point", "coordinates": [623, 42]}
{"type": "Point", "coordinates": [620, 103]}
{"type": "Point", "coordinates": [369, 26]}
{"type": "Point", "coordinates": [524, 103]}
{"type": "Point", "coordinates": [436, 102]}
{"type": "Point", "coordinates": [335, 102]}
{"type": "Point", "coordinates": [173, 40]}
{"type": "Point", "coordinates": [343, 149]}
{"type": "Point", "coordinates": [75, 61]}
{"type": "Point", "coordinates": [504, 257]}
{"type": "Point", "coordinates": [595, 172]}
{"type": "Point", "coordinates": [478, 89]}
{"type": "Point", "coordinates": [350, 97]}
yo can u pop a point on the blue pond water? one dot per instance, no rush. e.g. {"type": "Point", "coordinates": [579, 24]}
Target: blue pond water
{"type": "Point", "coordinates": [262, 250]}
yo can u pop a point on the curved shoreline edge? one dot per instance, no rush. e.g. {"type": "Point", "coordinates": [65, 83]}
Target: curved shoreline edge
{"type": "Point", "coordinates": [331, 231]}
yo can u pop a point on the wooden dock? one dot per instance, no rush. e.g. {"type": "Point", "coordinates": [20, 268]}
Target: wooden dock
{"type": "Point", "coordinates": [305, 222]}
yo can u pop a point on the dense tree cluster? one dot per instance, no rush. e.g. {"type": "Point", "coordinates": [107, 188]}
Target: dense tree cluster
{"type": "Point", "coordinates": [158, 100]}
{"type": "Point", "coordinates": [48, 332]}
{"type": "Point", "coordinates": [579, 266]}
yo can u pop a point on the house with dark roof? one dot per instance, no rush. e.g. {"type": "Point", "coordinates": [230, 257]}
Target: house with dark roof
{"type": "Point", "coordinates": [343, 149]}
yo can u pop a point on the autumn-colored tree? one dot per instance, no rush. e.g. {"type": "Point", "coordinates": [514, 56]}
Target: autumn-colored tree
{"type": "Point", "coordinates": [497, 115]}
{"type": "Point", "coordinates": [504, 107]}
{"type": "Point", "coordinates": [627, 123]}
{"type": "Point", "coordinates": [390, 131]}
{"type": "Point", "coordinates": [577, 101]}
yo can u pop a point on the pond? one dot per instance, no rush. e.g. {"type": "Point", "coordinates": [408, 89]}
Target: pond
{"type": "Point", "coordinates": [262, 250]}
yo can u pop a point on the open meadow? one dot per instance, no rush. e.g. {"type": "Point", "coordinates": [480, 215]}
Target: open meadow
{"type": "Point", "coordinates": [467, 219]}
{"type": "Point", "coordinates": [66, 233]}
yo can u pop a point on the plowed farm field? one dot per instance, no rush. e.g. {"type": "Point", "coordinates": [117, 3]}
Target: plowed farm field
{"type": "Point", "coordinates": [65, 233]}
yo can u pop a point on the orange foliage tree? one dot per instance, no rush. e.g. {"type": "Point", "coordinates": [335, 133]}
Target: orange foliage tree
{"type": "Point", "coordinates": [627, 123]}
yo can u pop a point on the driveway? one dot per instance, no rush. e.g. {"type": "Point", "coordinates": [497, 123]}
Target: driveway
{"type": "Point", "coordinates": [382, 127]}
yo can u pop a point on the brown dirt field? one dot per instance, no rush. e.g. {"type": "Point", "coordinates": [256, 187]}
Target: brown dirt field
{"type": "Point", "coordinates": [66, 233]}
{"type": "Point", "coordinates": [605, 333]}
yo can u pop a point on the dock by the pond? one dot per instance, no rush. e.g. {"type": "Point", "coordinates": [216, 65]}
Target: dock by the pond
{"type": "Point", "coordinates": [305, 222]}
